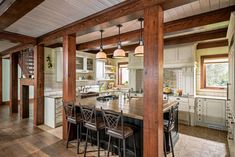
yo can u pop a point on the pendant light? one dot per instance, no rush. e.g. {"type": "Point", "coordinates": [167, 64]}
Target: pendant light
{"type": "Point", "coordinates": [139, 50]}
{"type": "Point", "coordinates": [119, 52]}
{"type": "Point", "coordinates": [101, 54]}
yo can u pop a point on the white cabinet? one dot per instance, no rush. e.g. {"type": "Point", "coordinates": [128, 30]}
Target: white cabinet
{"type": "Point", "coordinates": [184, 115]}
{"type": "Point", "coordinates": [211, 113]}
{"type": "Point", "coordinates": [180, 56]}
{"type": "Point", "coordinates": [170, 55]}
{"type": "Point", "coordinates": [230, 114]}
{"type": "Point", "coordinates": [84, 64]}
{"type": "Point", "coordinates": [135, 62]}
{"type": "Point", "coordinates": [53, 111]}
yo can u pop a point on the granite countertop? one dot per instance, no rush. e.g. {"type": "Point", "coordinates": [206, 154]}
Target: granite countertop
{"type": "Point", "coordinates": [133, 108]}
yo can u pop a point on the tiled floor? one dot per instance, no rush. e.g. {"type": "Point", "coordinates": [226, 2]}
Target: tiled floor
{"type": "Point", "coordinates": [19, 138]}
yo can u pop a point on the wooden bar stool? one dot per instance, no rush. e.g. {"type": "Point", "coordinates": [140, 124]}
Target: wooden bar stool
{"type": "Point", "coordinates": [115, 128]}
{"type": "Point", "coordinates": [72, 117]}
{"type": "Point", "coordinates": [92, 123]}
{"type": "Point", "coordinates": [169, 126]}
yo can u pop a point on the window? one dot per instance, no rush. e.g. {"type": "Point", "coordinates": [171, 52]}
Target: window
{"type": "Point", "coordinates": [100, 69]}
{"type": "Point", "coordinates": [123, 73]}
{"type": "Point", "coordinates": [214, 72]}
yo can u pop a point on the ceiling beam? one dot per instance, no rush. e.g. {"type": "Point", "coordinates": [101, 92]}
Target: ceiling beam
{"type": "Point", "coordinates": [17, 38]}
{"type": "Point", "coordinates": [184, 39]}
{"type": "Point", "coordinates": [173, 26]}
{"type": "Point", "coordinates": [16, 10]}
{"type": "Point", "coordinates": [212, 44]}
{"type": "Point", "coordinates": [199, 20]}
{"type": "Point", "coordinates": [16, 49]}
{"type": "Point", "coordinates": [120, 13]}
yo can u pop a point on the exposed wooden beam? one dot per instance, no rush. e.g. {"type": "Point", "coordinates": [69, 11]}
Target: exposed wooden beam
{"type": "Point", "coordinates": [184, 39]}
{"type": "Point", "coordinates": [177, 25]}
{"type": "Point", "coordinates": [121, 13]}
{"type": "Point", "coordinates": [220, 33]}
{"type": "Point", "coordinates": [129, 36]}
{"type": "Point", "coordinates": [16, 49]}
{"type": "Point", "coordinates": [153, 82]}
{"type": "Point", "coordinates": [17, 38]}
{"type": "Point", "coordinates": [199, 20]}
{"type": "Point", "coordinates": [38, 108]}
{"type": "Point", "coordinates": [17, 10]}
{"type": "Point", "coordinates": [211, 44]}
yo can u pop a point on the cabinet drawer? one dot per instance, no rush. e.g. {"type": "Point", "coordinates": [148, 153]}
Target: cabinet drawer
{"type": "Point", "coordinates": [179, 99]}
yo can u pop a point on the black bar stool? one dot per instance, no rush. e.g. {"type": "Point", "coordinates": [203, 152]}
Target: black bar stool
{"type": "Point", "coordinates": [92, 123]}
{"type": "Point", "coordinates": [115, 128]}
{"type": "Point", "coordinates": [169, 126]}
{"type": "Point", "coordinates": [72, 117]}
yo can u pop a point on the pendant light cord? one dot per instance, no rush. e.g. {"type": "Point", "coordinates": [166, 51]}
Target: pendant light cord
{"type": "Point", "coordinates": [119, 35]}
{"type": "Point", "coordinates": [101, 40]}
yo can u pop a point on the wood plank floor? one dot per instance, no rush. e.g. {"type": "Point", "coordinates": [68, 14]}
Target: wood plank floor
{"type": "Point", "coordinates": [19, 138]}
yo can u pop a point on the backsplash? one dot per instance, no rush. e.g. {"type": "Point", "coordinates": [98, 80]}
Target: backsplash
{"type": "Point", "coordinates": [172, 78]}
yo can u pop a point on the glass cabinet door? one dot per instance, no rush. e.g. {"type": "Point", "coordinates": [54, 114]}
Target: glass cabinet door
{"type": "Point", "coordinates": [79, 63]}
{"type": "Point", "coordinates": [90, 64]}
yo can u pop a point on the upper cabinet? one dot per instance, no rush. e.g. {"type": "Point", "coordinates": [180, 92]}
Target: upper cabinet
{"type": "Point", "coordinates": [84, 64]}
{"type": "Point", "coordinates": [179, 56]}
{"type": "Point", "coordinates": [135, 62]}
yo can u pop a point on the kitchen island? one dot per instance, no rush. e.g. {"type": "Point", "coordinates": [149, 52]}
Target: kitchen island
{"type": "Point", "coordinates": [133, 110]}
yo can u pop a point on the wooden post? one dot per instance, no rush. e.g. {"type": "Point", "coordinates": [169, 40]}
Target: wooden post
{"type": "Point", "coordinates": [69, 73]}
{"type": "Point", "coordinates": [38, 84]}
{"type": "Point", "coordinates": [0, 80]}
{"type": "Point", "coordinates": [24, 101]}
{"type": "Point", "coordinates": [153, 81]}
{"type": "Point", "coordinates": [14, 83]}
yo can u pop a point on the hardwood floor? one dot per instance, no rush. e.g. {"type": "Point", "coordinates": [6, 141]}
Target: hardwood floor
{"type": "Point", "coordinates": [19, 138]}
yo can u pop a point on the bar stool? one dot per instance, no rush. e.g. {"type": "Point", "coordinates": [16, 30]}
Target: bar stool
{"type": "Point", "coordinates": [115, 128]}
{"type": "Point", "coordinates": [92, 123]}
{"type": "Point", "coordinates": [72, 117]}
{"type": "Point", "coordinates": [169, 126]}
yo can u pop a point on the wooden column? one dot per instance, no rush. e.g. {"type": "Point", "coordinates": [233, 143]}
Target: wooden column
{"type": "Point", "coordinates": [14, 83]}
{"type": "Point", "coordinates": [38, 85]}
{"type": "Point", "coordinates": [0, 80]}
{"type": "Point", "coordinates": [153, 81]}
{"type": "Point", "coordinates": [69, 73]}
{"type": "Point", "coordinates": [24, 101]}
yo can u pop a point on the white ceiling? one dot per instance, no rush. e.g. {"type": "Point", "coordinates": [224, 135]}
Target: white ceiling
{"type": "Point", "coordinates": [53, 14]}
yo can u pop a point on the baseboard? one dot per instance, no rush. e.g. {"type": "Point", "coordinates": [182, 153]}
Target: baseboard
{"type": "Point", "coordinates": [8, 102]}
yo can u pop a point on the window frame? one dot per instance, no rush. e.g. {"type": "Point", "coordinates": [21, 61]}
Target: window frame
{"type": "Point", "coordinates": [119, 72]}
{"type": "Point", "coordinates": [203, 71]}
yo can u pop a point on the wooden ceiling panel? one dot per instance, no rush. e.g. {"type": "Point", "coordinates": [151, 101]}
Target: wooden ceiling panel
{"type": "Point", "coordinates": [4, 45]}
{"type": "Point", "coordinates": [53, 14]}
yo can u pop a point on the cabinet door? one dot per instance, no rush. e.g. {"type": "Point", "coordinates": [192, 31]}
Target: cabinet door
{"type": "Point", "coordinates": [185, 54]}
{"type": "Point", "coordinates": [170, 55]}
{"type": "Point", "coordinates": [214, 112]}
{"type": "Point", "coordinates": [89, 64]}
{"type": "Point", "coordinates": [79, 63]}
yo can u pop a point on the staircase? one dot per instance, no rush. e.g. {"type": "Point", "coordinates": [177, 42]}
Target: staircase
{"type": "Point", "coordinates": [26, 62]}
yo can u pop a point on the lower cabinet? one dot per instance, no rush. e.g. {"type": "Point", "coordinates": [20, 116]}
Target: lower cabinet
{"type": "Point", "coordinates": [211, 113]}
{"type": "Point", "coordinates": [184, 112]}
{"type": "Point", "coordinates": [53, 112]}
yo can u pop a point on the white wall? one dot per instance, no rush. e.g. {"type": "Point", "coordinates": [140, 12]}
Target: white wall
{"type": "Point", "coordinates": [6, 81]}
